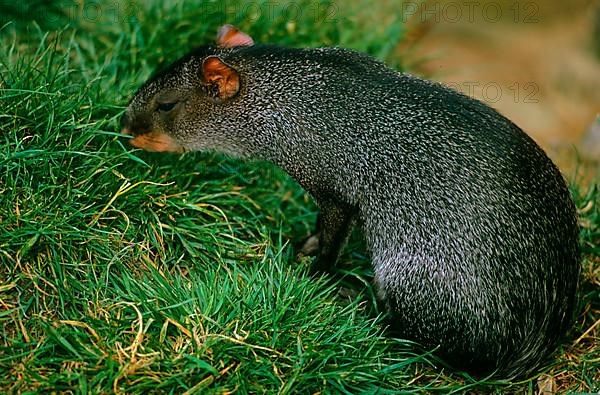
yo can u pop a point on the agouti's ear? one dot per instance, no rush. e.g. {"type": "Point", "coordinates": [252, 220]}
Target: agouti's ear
{"type": "Point", "coordinates": [229, 36]}
{"type": "Point", "coordinates": [224, 78]}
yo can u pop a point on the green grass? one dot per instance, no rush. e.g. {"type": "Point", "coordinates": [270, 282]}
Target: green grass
{"type": "Point", "coordinates": [133, 272]}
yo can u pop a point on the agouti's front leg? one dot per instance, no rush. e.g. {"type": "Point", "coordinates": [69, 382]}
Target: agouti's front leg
{"type": "Point", "coordinates": [334, 224]}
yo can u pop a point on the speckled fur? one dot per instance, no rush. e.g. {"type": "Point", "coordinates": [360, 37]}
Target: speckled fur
{"type": "Point", "coordinates": [471, 229]}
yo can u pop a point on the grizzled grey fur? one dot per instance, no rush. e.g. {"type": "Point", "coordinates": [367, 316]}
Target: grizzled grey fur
{"type": "Point", "coordinates": [471, 229]}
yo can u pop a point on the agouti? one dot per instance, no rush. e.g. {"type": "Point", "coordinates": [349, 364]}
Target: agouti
{"type": "Point", "coordinates": [471, 229]}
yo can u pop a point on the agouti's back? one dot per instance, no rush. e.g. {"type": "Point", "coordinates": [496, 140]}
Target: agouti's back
{"type": "Point", "coordinates": [471, 229]}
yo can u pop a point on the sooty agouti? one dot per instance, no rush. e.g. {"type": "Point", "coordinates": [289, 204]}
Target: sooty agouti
{"type": "Point", "coordinates": [471, 230]}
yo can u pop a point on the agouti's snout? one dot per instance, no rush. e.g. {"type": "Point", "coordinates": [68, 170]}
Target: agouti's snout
{"type": "Point", "coordinates": [145, 137]}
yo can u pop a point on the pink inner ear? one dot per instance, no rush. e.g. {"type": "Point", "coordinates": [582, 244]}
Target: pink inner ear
{"type": "Point", "coordinates": [216, 72]}
{"type": "Point", "coordinates": [229, 36]}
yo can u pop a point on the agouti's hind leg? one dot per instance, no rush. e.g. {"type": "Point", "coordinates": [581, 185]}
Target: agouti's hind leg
{"type": "Point", "coordinates": [333, 228]}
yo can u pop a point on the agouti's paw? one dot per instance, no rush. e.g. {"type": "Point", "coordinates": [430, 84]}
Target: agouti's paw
{"type": "Point", "coordinates": [310, 246]}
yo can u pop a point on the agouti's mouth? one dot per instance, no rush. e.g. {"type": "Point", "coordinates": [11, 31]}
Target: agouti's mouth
{"type": "Point", "coordinates": [154, 142]}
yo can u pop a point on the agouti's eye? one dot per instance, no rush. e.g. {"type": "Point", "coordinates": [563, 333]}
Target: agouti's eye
{"type": "Point", "coordinates": [166, 107]}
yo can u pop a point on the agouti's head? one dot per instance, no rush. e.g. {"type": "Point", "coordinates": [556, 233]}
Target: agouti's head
{"type": "Point", "coordinates": [173, 111]}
